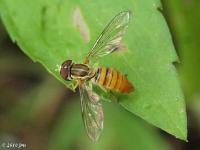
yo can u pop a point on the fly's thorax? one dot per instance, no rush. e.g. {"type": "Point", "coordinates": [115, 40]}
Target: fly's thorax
{"type": "Point", "coordinates": [81, 71]}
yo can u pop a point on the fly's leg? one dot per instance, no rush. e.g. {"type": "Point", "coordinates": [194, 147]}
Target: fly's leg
{"type": "Point", "coordinates": [107, 94]}
{"type": "Point", "coordinates": [73, 85]}
{"type": "Point", "coordinates": [114, 99]}
{"type": "Point", "coordinates": [95, 65]}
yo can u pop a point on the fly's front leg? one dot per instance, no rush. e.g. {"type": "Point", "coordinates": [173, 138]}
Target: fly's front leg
{"type": "Point", "coordinates": [74, 85]}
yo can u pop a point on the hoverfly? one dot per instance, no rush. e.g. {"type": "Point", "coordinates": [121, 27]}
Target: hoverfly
{"type": "Point", "coordinates": [107, 78]}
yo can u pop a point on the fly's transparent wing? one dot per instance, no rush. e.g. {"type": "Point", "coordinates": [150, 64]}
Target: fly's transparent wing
{"type": "Point", "coordinates": [109, 39]}
{"type": "Point", "coordinates": [92, 112]}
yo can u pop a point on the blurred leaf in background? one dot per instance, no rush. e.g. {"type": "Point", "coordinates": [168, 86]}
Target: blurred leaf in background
{"type": "Point", "coordinates": [50, 32]}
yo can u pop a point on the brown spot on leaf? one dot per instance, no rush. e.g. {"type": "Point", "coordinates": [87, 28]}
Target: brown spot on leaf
{"type": "Point", "coordinates": [80, 24]}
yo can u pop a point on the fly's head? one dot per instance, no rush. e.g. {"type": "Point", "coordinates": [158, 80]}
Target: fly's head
{"type": "Point", "coordinates": [65, 70]}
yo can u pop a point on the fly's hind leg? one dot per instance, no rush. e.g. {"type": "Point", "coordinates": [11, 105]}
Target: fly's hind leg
{"type": "Point", "coordinates": [107, 94]}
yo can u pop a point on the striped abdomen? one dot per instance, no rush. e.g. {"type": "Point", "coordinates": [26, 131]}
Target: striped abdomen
{"type": "Point", "coordinates": [113, 80]}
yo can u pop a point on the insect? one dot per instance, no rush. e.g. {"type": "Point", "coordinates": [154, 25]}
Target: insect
{"type": "Point", "coordinates": [85, 75]}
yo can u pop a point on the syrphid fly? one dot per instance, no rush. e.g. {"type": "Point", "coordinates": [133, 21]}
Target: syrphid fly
{"type": "Point", "coordinates": [85, 74]}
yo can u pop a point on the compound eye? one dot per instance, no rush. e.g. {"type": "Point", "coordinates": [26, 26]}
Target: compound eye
{"type": "Point", "coordinates": [65, 69]}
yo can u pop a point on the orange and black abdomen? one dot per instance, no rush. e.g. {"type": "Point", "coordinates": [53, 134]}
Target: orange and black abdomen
{"type": "Point", "coordinates": [112, 79]}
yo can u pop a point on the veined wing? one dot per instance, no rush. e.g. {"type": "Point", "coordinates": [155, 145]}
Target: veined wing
{"type": "Point", "coordinates": [109, 40]}
{"type": "Point", "coordinates": [92, 112]}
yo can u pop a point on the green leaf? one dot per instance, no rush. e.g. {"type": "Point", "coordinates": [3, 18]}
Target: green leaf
{"type": "Point", "coordinates": [52, 31]}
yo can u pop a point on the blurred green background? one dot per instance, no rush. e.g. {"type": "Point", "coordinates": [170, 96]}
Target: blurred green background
{"type": "Point", "coordinates": [37, 110]}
